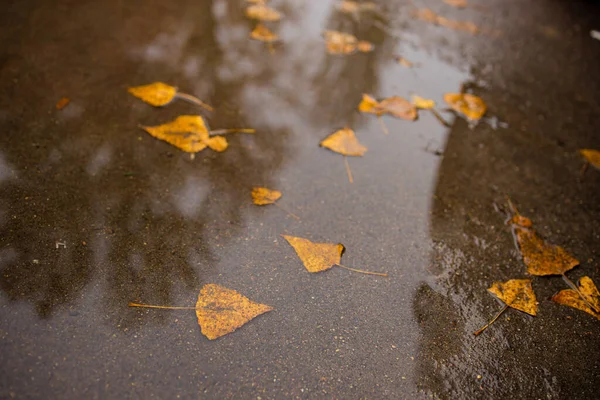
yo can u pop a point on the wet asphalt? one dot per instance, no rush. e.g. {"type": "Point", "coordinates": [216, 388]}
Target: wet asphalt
{"type": "Point", "coordinates": [95, 213]}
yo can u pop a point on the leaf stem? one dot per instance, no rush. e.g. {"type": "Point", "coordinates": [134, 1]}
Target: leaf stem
{"type": "Point", "coordinates": [233, 130]}
{"type": "Point", "coordinates": [348, 170]}
{"type": "Point", "coordinates": [291, 214]}
{"type": "Point", "coordinates": [583, 170]}
{"type": "Point", "coordinates": [575, 288]}
{"type": "Point", "coordinates": [361, 271]}
{"type": "Point", "coordinates": [385, 129]}
{"type": "Point", "coordinates": [440, 118]}
{"type": "Point", "coordinates": [477, 333]}
{"type": "Point", "coordinates": [194, 100]}
{"type": "Point", "coordinates": [161, 307]}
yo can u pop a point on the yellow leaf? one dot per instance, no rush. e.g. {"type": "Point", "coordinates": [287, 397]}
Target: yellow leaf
{"type": "Point", "coordinates": [188, 133]}
{"type": "Point", "coordinates": [469, 105]}
{"type": "Point", "coordinates": [516, 293]}
{"type": "Point", "coordinates": [571, 298]}
{"type": "Point", "coordinates": [348, 7]}
{"type": "Point", "coordinates": [424, 104]}
{"type": "Point", "coordinates": [262, 196]}
{"type": "Point", "coordinates": [262, 12]}
{"type": "Point", "coordinates": [221, 311]}
{"type": "Point", "coordinates": [364, 46]}
{"type": "Point", "coordinates": [263, 34]}
{"type": "Point", "coordinates": [456, 3]}
{"type": "Point", "coordinates": [404, 62]}
{"type": "Point", "coordinates": [340, 42]}
{"type": "Point", "coordinates": [62, 103]}
{"type": "Point", "coordinates": [157, 94]}
{"type": "Point", "coordinates": [430, 16]}
{"type": "Point", "coordinates": [344, 142]}
{"type": "Point", "coordinates": [591, 156]}
{"type": "Point", "coordinates": [369, 105]}
{"type": "Point", "coordinates": [316, 257]}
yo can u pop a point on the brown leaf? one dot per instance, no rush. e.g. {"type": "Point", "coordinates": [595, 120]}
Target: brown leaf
{"type": "Point", "coordinates": [316, 257]}
{"type": "Point", "coordinates": [262, 196]}
{"type": "Point", "coordinates": [396, 106]}
{"type": "Point", "coordinates": [188, 133]}
{"type": "Point", "coordinates": [571, 298]}
{"type": "Point", "coordinates": [517, 294]}
{"type": "Point", "coordinates": [469, 105]}
{"type": "Point", "coordinates": [262, 12]}
{"type": "Point", "coordinates": [221, 311]}
{"type": "Point", "coordinates": [62, 103]}
{"type": "Point", "coordinates": [591, 156]}
{"type": "Point", "coordinates": [263, 34]}
{"type": "Point", "coordinates": [344, 142]}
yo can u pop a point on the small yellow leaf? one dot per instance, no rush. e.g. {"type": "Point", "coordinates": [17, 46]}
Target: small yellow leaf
{"type": "Point", "coordinates": [188, 133]}
{"type": "Point", "coordinates": [396, 106]}
{"type": "Point", "coordinates": [345, 43]}
{"type": "Point", "coordinates": [516, 293]}
{"type": "Point", "coordinates": [344, 142]}
{"type": "Point", "coordinates": [591, 156]}
{"type": "Point", "coordinates": [404, 62]}
{"type": "Point", "coordinates": [571, 298]}
{"type": "Point", "coordinates": [221, 311]}
{"type": "Point", "coordinates": [262, 196]}
{"type": "Point", "coordinates": [263, 34]}
{"type": "Point", "coordinates": [469, 105]}
{"type": "Point", "coordinates": [430, 16]}
{"type": "Point", "coordinates": [157, 94]}
{"type": "Point", "coordinates": [424, 104]}
{"type": "Point", "coordinates": [368, 104]}
{"type": "Point", "coordinates": [62, 103]}
{"type": "Point", "coordinates": [262, 12]}
{"type": "Point", "coordinates": [364, 46]}
{"type": "Point", "coordinates": [316, 257]}
{"type": "Point", "coordinates": [456, 3]}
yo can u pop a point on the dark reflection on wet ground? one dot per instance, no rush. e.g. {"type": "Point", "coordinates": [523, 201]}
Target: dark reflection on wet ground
{"type": "Point", "coordinates": [95, 213]}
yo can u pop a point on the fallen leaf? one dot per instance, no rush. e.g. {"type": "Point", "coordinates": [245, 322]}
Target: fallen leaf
{"type": "Point", "coordinates": [591, 156]}
{"type": "Point", "coordinates": [456, 3]}
{"type": "Point", "coordinates": [159, 94]}
{"type": "Point", "coordinates": [344, 43]}
{"type": "Point", "coordinates": [221, 311]}
{"type": "Point", "coordinates": [188, 133]}
{"type": "Point", "coordinates": [262, 12]}
{"type": "Point", "coordinates": [344, 142]}
{"type": "Point", "coordinates": [515, 293]}
{"type": "Point", "coordinates": [471, 106]}
{"type": "Point", "coordinates": [571, 298]}
{"type": "Point", "coordinates": [404, 62]}
{"type": "Point", "coordinates": [263, 34]}
{"type": "Point", "coordinates": [396, 106]}
{"type": "Point", "coordinates": [318, 257]}
{"type": "Point", "coordinates": [422, 103]}
{"type": "Point", "coordinates": [62, 103]}
{"type": "Point", "coordinates": [262, 196]}
{"type": "Point", "coordinates": [430, 16]}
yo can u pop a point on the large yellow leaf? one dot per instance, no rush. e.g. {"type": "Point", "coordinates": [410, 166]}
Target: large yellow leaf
{"type": "Point", "coordinates": [316, 257]}
{"type": "Point", "coordinates": [571, 298]}
{"type": "Point", "coordinates": [542, 258]}
{"type": "Point", "coordinates": [221, 311]}
{"type": "Point", "coordinates": [344, 142]}
{"type": "Point", "coordinates": [517, 294]}
{"type": "Point", "coordinates": [188, 133]}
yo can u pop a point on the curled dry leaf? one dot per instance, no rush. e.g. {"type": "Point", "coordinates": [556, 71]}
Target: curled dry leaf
{"type": "Point", "coordinates": [395, 106]}
{"type": "Point", "coordinates": [515, 293]}
{"type": "Point", "coordinates": [591, 156]}
{"type": "Point", "coordinates": [344, 43]}
{"type": "Point", "coordinates": [262, 196]}
{"type": "Point", "coordinates": [263, 34]}
{"type": "Point", "coordinates": [188, 133]}
{"type": "Point", "coordinates": [62, 103]}
{"type": "Point", "coordinates": [221, 311]}
{"type": "Point", "coordinates": [422, 103]}
{"type": "Point", "coordinates": [571, 298]}
{"type": "Point", "coordinates": [159, 94]}
{"type": "Point", "coordinates": [470, 106]}
{"type": "Point", "coordinates": [261, 12]}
